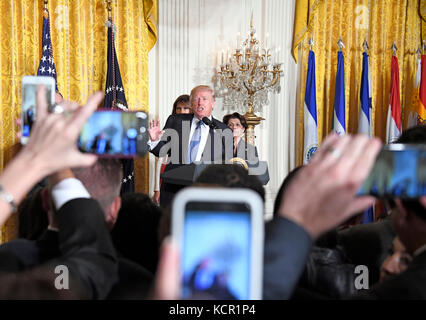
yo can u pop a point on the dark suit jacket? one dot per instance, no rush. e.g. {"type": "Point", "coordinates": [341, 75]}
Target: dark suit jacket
{"type": "Point", "coordinates": [367, 244]}
{"type": "Point", "coordinates": [180, 125]}
{"type": "Point", "coordinates": [218, 148]}
{"type": "Point", "coordinates": [410, 284]}
{"type": "Point", "coordinates": [85, 246]}
{"type": "Point", "coordinates": [247, 152]}
{"type": "Point", "coordinates": [287, 246]}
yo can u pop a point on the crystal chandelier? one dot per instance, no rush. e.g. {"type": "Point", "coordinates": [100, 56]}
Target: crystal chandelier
{"type": "Point", "coordinates": [247, 76]}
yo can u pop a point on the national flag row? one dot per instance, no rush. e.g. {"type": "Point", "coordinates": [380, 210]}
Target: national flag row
{"type": "Point", "coordinates": [114, 91]}
{"type": "Point", "coordinates": [393, 126]}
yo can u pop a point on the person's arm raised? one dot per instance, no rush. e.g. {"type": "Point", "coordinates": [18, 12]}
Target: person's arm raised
{"type": "Point", "coordinates": [323, 194]}
{"type": "Point", "coordinates": [51, 147]}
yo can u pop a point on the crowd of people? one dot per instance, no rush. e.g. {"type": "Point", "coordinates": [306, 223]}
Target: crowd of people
{"type": "Point", "coordinates": [112, 247]}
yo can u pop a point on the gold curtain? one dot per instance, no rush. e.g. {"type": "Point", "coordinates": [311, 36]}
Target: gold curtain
{"type": "Point", "coordinates": [79, 41]}
{"type": "Point", "coordinates": [381, 22]}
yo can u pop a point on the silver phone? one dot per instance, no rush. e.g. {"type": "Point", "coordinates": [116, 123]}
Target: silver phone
{"type": "Point", "coordinates": [219, 232]}
{"type": "Point", "coordinates": [29, 87]}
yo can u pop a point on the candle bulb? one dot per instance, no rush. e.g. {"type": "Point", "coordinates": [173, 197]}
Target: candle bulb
{"type": "Point", "coordinates": [238, 40]}
{"type": "Point", "coordinates": [222, 56]}
{"type": "Point", "coordinates": [227, 55]}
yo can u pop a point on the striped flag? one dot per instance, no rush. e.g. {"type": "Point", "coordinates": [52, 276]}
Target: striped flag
{"type": "Point", "coordinates": [339, 125]}
{"type": "Point", "coordinates": [365, 119]}
{"type": "Point", "coordinates": [393, 125]}
{"type": "Point", "coordinates": [415, 103]}
{"type": "Point", "coordinates": [47, 65]}
{"type": "Point", "coordinates": [364, 124]}
{"type": "Point", "coordinates": [311, 131]}
{"type": "Point", "coordinates": [115, 98]}
{"type": "Point", "coordinates": [421, 110]}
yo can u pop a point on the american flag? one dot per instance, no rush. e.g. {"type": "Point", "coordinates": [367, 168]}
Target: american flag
{"type": "Point", "coordinates": [47, 65]}
{"type": "Point", "coordinates": [115, 98]}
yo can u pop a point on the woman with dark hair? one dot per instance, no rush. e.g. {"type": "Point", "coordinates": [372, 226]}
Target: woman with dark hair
{"type": "Point", "coordinates": [242, 149]}
{"type": "Point", "coordinates": [180, 106]}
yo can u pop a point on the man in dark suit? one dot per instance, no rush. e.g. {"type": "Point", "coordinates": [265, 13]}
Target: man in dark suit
{"type": "Point", "coordinates": [191, 138]}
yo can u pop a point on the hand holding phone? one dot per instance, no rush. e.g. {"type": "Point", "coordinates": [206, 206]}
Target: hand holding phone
{"type": "Point", "coordinates": [29, 88]}
{"type": "Point", "coordinates": [399, 172]}
{"type": "Point", "coordinates": [219, 232]}
{"type": "Point", "coordinates": [114, 133]}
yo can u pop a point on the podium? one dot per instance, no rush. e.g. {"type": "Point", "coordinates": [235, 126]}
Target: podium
{"type": "Point", "coordinates": [186, 174]}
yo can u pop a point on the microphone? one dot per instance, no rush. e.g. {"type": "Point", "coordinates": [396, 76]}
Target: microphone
{"type": "Point", "coordinates": [210, 123]}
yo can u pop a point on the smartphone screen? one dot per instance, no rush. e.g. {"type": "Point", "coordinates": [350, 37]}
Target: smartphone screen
{"type": "Point", "coordinates": [216, 252]}
{"type": "Point", "coordinates": [29, 88]}
{"type": "Point", "coordinates": [115, 133]}
{"type": "Point", "coordinates": [399, 171]}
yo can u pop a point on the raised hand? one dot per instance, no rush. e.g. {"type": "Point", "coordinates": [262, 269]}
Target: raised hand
{"type": "Point", "coordinates": [154, 130]}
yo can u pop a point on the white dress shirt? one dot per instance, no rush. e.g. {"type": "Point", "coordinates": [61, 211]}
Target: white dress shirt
{"type": "Point", "coordinates": [205, 130]}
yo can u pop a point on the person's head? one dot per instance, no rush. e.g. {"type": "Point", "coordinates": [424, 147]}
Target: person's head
{"type": "Point", "coordinates": [32, 217]}
{"type": "Point", "coordinates": [397, 260]}
{"type": "Point", "coordinates": [202, 101]}
{"type": "Point", "coordinates": [103, 182]}
{"type": "Point", "coordinates": [135, 233]}
{"type": "Point", "coordinates": [415, 134]}
{"type": "Point", "coordinates": [409, 216]}
{"type": "Point", "coordinates": [236, 122]}
{"type": "Point", "coordinates": [281, 191]}
{"type": "Point", "coordinates": [182, 105]}
{"type": "Point", "coordinates": [231, 176]}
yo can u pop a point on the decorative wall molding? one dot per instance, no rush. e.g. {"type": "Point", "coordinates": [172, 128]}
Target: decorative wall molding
{"type": "Point", "coordinates": [190, 36]}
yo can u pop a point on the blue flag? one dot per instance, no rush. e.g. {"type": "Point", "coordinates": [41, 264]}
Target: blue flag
{"type": "Point", "coordinates": [115, 98]}
{"type": "Point", "coordinates": [310, 112]}
{"type": "Point", "coordinates": [364, 124]}
{"type": "Point", "coordinates": [339, 125]}
{"type": "Point", "coordinates": [47, 65]}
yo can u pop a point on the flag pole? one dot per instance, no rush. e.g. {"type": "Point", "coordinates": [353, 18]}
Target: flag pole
{"type": "Point", "coordinates": [109, 2]}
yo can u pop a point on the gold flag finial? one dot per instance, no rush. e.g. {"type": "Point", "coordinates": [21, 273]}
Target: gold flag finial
{"type": "Point", "coordinates": [365, 45]}
{"type": "Point", "coordinates": [394, 48]}
{"type": "Point", "coordinates": [340, 44]}
{"type": "Point", "coordinates": [45, 4]}
{"type": "Point", "coordinates": [311, 43]}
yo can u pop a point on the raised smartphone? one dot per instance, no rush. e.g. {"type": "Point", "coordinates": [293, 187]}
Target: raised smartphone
{"type": "Point", "coordinates": [29, 87]}
{"type": "Point", "coordinates": [399, 172]}
{"type": "Point", "coordinates": [219, 232]}
{"type": "Point", "coordinates": [115, 133]}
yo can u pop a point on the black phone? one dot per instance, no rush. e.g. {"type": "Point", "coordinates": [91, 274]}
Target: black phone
{"type": "Point", "coordinates": [399, 172]}
{"type": "Point", "coordinates": [115, 133]}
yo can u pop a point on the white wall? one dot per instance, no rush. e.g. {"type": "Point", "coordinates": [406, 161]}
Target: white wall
{"type": "Point", "coordinates": [191, 33]}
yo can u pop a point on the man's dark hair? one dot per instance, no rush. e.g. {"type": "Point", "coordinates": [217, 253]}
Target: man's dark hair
{"type": "Point", "coordinates": [181, 99]}
{"type": "Point", "coordinates": [231, 176]}
{"type": "Point", "coordinates": [32, 218]}
{"type": "Point", "coordinates": [235, 115]}
{"type": "Point", "coordinates": [413, 135]}
{"type": "Point", "coordinates": [135, 232]}
{"type": "Point", "coordinates": [102, 180]}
